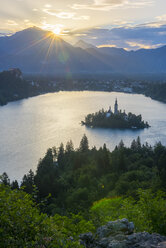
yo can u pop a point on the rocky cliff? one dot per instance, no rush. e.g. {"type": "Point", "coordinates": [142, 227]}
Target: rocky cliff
{"type": "Point", "coordinates": [120, 234]}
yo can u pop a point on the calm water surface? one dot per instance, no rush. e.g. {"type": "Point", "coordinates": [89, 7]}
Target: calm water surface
{"type": "Point", "coordinates": [28, 127]}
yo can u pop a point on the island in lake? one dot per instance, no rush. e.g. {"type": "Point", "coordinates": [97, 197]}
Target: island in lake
{"type": "Point", "coordinates": [116, 119]}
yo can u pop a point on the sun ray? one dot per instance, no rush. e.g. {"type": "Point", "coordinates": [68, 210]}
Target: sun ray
{"type": "Point", "coordinates": [36, 42]}
{"type": "Point", "coordinates": [48, 51]}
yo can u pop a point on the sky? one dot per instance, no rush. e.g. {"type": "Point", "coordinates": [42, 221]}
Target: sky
{"type": "Point", "coordinates": [130, 24]}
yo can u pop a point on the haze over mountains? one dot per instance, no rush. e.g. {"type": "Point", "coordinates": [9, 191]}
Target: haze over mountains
{"type": "Point", "coordinates": [37, 51]}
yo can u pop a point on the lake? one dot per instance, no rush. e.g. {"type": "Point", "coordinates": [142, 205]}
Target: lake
{"type": "Point", "coordinates": [30, 126]}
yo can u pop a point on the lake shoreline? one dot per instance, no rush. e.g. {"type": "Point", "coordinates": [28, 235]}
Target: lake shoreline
{"type": "Point", "coordinates": [44, 93]}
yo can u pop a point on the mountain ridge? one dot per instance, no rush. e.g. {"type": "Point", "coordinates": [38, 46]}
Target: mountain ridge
{"type": "Point", "coordinates": [34, 50]}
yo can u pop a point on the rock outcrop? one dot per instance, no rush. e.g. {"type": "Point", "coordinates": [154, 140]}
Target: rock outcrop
{"type": "Point", "coordinates": [120, 234]}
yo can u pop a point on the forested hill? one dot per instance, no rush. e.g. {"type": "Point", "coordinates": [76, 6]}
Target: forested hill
{"type": "Point", "coordinates": [156, 91]}
{"type": "Point", "coordinates": [74, 179]}
{"type": "Point", "coordinates": [83, 189]}
{"type": "Point", "coordinates": [14, 87]}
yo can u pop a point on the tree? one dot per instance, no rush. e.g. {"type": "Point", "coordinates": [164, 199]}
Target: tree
{"type": "Point", "coordinates": [54, 153]}
{"type": "Point", "coordinates": [121, 145]}
{"type": "Point", "coordinates": [138, 143]}
{"type": "Point", "coordinates": [69, 147]}
{"type": "Point", "coordinates": [84, 144]}
{"type": "Point", "coordinates": [4, 179]}
{"type": "Point", "coordinates": [61, 156]}
{"type": "Point", "coordinates": [14, 185]}
{"type": "Point", "coordinates": [46, 162]}
{"type": "Point", "coordinates": [28, 182]}
{"type": "Point", "coordinates": [22, 224]}
{"type": "Point", "coordinates": [133, 145]}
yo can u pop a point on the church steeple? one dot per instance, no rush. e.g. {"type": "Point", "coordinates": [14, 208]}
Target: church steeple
{"type": "Point", "coordinates": [116, 107]}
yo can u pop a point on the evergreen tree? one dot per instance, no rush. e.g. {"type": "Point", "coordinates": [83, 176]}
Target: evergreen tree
{"type": "Point", "coordinates": [14, 185]}
{"type": "Point", "coordinates": [84, 144]}
{"type": "Point", "coordinates": [121, 145]}
{"type": "Point", "coordinates": [138, 143]}
{"type": "Point", "coordinates": [133, 145]}
{"type": "Point", "coordinates": [61, 156]}
{"type": "Point", "coordinates": [69, 147]}
{"type": "Point", "coordinates": [4, 179]}
{"type": "Point", "coordinates": [28, 182]}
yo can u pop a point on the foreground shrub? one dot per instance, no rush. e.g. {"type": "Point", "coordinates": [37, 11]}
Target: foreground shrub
{"type": "Point", "coordinates": [148, 213]}
{"type": "Point", "coordinates": [22, 225]}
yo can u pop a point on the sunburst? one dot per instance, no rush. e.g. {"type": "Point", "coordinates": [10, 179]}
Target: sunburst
{"type": "Point", "coordinates": [57, 31]}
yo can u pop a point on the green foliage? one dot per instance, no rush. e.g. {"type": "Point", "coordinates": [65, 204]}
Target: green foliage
{"type": "Point", "coordinates": [22, 225]}
{"type": "Point", "coordinates": [148, 213]}
{"type": "Point", "coordinates": [74, 179]}
{"type": "Point", "coordinates": [69, 181]}
{"type": "Point", "coordinates": [106, 209]}
{"type": "Point", "coordinates": [73, 225]}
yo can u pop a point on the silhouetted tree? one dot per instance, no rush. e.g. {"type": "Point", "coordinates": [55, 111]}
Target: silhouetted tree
{"type": "Point", "coordinates": [28, 182]}
{"type": "Point", "coordinates": [14, 185]}
{"type": "Point", "coordinates": [69, 147]}
{"type": "Point", "coordinates": [5, 179]}
{"type": "Point", "coordinates": [84, 144]}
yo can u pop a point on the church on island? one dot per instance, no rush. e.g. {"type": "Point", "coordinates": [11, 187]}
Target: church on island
{"type": "Point", "coordinates": [116, 119]}
{"type": "Point", "coordinates": [116, 111]}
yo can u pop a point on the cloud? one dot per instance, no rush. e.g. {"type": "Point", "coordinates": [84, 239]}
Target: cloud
{"type": "Point", "coordinates": [136, 45]}
{"type": "Point", "coordinates": [131, 38]}
{"type": "Point", "coordinates": [154, 24]}
{"type": "Point", "coordinates": [161, 18]}
{"type": "Point", "coordinates": [106, 5]}
{"type": "Point", "coordinates": [48, 5]}
{"type": "Point", "coordinates": [11, 23]}
{"type": "Point", "coordinates": [51, 27]}
{"type": "Point", "coordinates": [106, 45]}
{"type": "Point", "coordinates": [4, 33]}
{"type": "Point", "coordinates": [65, 15]}
{"type": "Point", "coordinates": [84, 17]}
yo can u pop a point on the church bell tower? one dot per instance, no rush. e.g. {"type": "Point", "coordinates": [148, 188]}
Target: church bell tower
{"type": "Point", "coordinates": [116, 107]}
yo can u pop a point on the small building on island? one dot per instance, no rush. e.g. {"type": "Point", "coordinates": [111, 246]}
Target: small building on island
{"type": "Point", "coordinates": [109, 113]}
{"type": "Point", "coordinates": [116, 111]}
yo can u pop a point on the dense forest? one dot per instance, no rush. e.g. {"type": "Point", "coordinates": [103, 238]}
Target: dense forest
{"type": "Point", "coordinates": [14, 87]}
{"type": "Point", "coordinates": [105, 119]}
{"type": "Point", "coordinates": [156, 91]}
{"type": "Point", "coordinates": [76, 190]}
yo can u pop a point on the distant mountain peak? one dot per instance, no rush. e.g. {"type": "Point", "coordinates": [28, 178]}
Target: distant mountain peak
{"type": "Point", "coordinates": [33, 34]}
{"type": "Point", "coordinates": [33, 29]}
{"type": "Point", "coordinates": [84, 45]}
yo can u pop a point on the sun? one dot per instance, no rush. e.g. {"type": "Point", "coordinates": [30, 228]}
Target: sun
{"type": "Point", "coordinates": [57, 31]}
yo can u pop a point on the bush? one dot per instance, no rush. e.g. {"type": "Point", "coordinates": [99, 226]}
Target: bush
{"type": "Point", "coordinates": [148, 213]}
{"type": "Point", "coordinates": [106, 209]}
{"type": "Point", "coordinates": [22, 225]}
